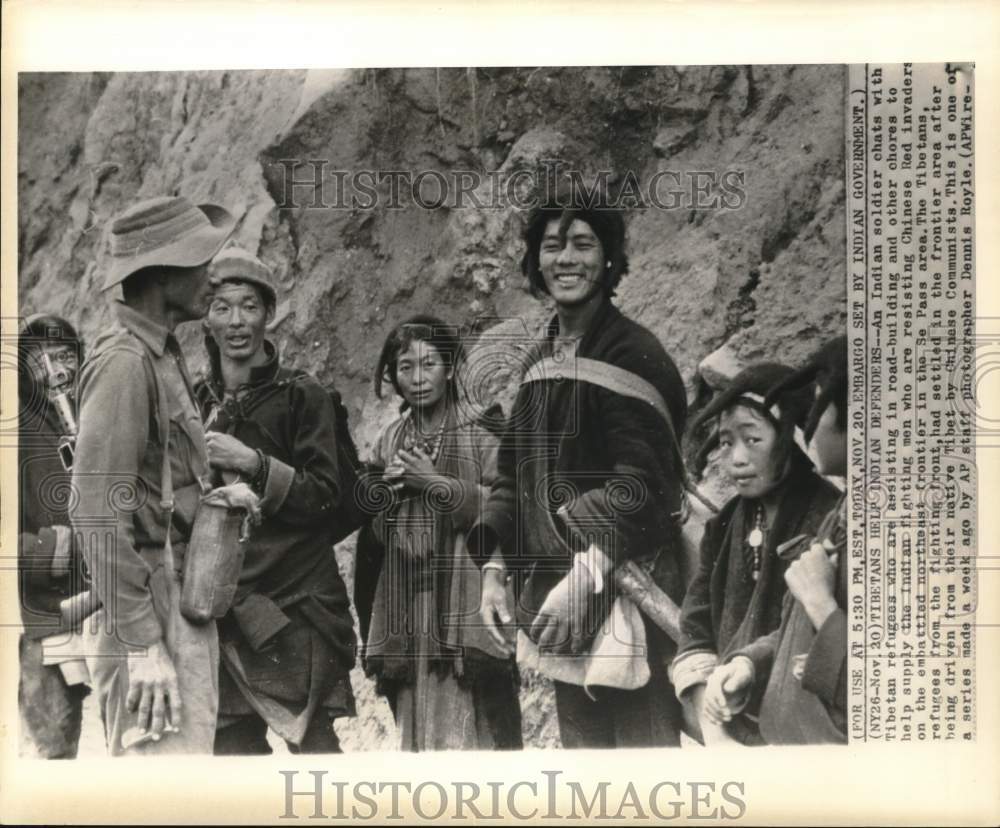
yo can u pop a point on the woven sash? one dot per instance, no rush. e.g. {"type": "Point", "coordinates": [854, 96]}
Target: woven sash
{"type": "Point", "coordinates": [606, 375]}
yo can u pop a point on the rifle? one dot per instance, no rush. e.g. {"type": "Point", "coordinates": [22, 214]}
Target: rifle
{"type": "Point", "coordinates": [77, 608]}
{"type": "Point", "coordinates": [637, 584]}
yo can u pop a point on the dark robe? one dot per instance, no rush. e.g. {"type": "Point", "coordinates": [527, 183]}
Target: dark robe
{"type": "Point", "coordinates": [288, 643]}
{"type": "Point", "coordinates": [813, 709]}
{"type": "Point", "coordinates": [725, 609]}
{"type": "Point", "coordinates": [580, 463]}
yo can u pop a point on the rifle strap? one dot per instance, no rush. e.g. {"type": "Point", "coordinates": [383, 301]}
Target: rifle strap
{"type": "Point", "coordinates": [163, 425]}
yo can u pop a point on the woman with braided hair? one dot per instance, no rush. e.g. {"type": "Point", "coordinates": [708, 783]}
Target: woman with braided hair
{"type": "Point", "coordinates": [450, 685]}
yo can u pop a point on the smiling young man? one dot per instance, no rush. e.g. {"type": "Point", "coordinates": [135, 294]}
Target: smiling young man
{"type": "Point", "coordinates": [288, 643]}
{"type": "Point", "coordinates": [589, 477]}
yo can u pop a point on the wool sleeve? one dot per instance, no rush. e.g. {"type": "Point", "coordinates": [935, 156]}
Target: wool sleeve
{"type": "Point", "coordinates": [304, 487]}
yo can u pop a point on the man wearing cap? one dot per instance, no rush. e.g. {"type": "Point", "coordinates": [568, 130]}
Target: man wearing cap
{"type": "Point", "coordinates": [154, 673]}
{"type": "Point", "coordinates": [50, 696]}
{"type": "Point", "coordinates": [287, 645]}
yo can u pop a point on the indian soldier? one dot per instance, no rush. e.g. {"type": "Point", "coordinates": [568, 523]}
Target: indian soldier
{"type": "Point", "coordinates": [141, 451]}
{"type": "Point", "coordinates": [288, 643]}
{"type": "Point", "coordinates": [49, 354]}
{"type": "Point", "coordinates": [589, 477]}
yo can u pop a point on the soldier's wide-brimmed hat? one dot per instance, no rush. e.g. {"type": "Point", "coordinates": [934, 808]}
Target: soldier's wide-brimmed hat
{"type": "Point", "coordinates": [165, 231]}
{"type": "Point", "coordinates": [237, 265]}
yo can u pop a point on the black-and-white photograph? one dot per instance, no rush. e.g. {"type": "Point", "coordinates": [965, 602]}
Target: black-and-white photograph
{"type": "Point", "coordinates": [432, 409]}
{"type": "Point", "coordinates": [474, 414]}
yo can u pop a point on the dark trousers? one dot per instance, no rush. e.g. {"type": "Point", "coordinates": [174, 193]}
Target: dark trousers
{"type": "Point", "coordinates": [647, 717]}
{"type": "Point", "coordinates": [51, 711]}
{"type": "Point", "coordinates": [247, 736]}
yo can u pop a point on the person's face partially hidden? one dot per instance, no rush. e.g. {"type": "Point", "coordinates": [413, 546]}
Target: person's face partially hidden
{"type": "Point", "coordinates": [829, 443]}
{"type": "Point", "coordinates": [572, 271]}
{"type": "Point", "coordinates": [63, 358]}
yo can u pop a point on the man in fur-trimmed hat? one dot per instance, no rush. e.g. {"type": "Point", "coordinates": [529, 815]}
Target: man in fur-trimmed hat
{"type": "Point", "coordinates": [287, 645]}
{"type": "Point", "coordinates": [141, 464]}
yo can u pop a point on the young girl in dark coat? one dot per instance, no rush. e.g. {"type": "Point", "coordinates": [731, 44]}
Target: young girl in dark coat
{"type": "Point", "coordinates": [737, 591]}
{"type": "Point", "coordinates": [798, 672]}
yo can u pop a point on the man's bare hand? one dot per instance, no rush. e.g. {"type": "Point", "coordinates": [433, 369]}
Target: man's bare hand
{"type": "Point", "coordinates": [810, 580]}
{"type": "Point", "coordinates": [562, 618]}
{"type": "Point", "coordinates": [228, 453]}
{"type": "Point", "coordinates": [153, 690]}
{"type": "Point", "coordinates": [727, 690]}
{"type": "Point", "coordinates": [494, 607]}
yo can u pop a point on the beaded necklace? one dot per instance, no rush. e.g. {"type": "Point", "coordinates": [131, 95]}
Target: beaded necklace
{"type": "Point", "coordinates": [429, 446]}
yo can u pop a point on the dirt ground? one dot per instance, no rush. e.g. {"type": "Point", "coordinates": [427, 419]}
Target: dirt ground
{"type": "Point", "coordinates": [373, 727]}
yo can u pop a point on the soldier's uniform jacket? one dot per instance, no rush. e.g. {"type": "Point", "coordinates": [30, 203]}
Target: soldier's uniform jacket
{"type": "Point", "coordinates": [118, 464]}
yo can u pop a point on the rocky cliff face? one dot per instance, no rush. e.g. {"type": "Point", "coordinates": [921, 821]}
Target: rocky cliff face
{"type": "Point", "coordinates": [720, 287]}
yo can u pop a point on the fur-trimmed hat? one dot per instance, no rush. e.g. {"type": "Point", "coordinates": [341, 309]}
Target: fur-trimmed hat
{"type": "Point", "coordinates": [787, 412]}
{"type": "Point", "coordinates": [237, 265]}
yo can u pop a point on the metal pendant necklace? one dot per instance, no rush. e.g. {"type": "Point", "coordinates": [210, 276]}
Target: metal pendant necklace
{"type": "Point", "coordinates": [755, 540]}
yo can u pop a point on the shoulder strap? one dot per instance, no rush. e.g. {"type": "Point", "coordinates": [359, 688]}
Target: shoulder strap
{"type": "Point", "coordinates": [163, 424]}
{"type": "Point", "coordinates": [124, 339]}
{"type": "Point", "coordinates": [606, 375]}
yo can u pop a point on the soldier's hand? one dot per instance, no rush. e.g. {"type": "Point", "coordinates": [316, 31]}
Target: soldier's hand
{"type": "Point", "coordinates": [727, 690]}
{"type": "Point", "coordinates": [228, 453]}
{"type": "Point", "coordinates": [810, 580]}
{"type": "Point", "coordinates": [153, 690]}
{"type": "Point", "coordinates": [562, 619]}
{"type": "Point", "coordinates": [236, 496]}
{"type": "Point", "coordinates": [494, 607]}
